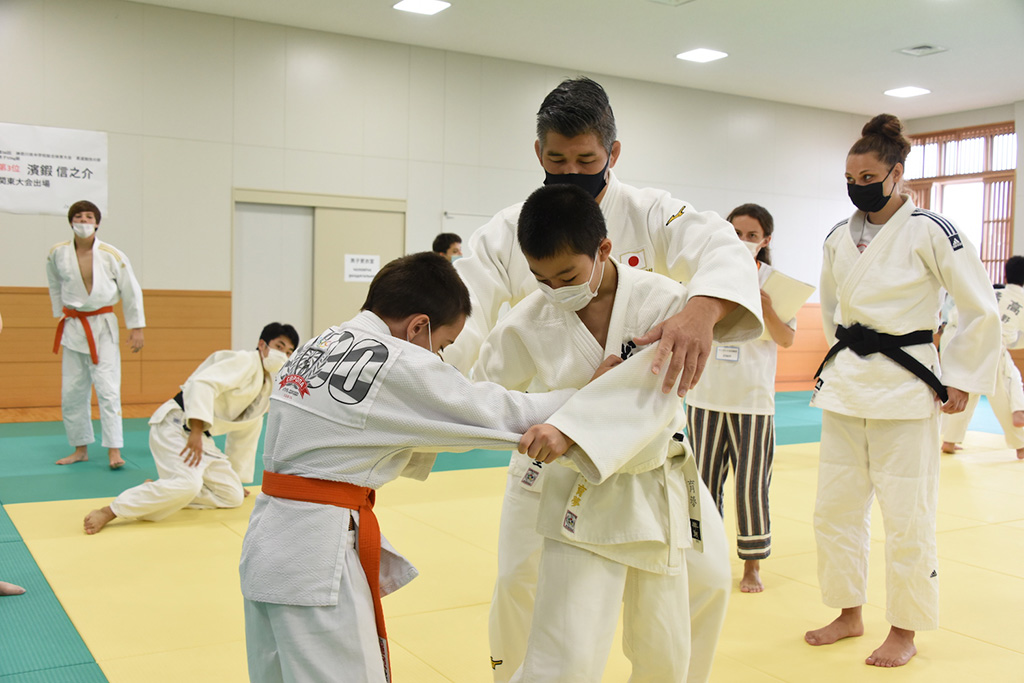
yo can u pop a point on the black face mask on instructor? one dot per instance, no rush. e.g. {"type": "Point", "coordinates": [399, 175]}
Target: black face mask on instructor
{"type": "Point", "coordinates": [592, 183]}
{"type": "Point", "coordinates": [869, 198]}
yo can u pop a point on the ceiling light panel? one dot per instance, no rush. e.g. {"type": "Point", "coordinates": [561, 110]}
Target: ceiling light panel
{"type": "Point", "coordinates": [427, 7]}
{"type": "Point", "coordinates": [909, 91]}
{"type": "Point", "coordinates": [701, 55]}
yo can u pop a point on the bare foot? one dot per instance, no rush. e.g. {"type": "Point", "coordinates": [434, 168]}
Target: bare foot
{"type": "Point", "coordinates": [1018, 418]}
{"type": "Point", "coordinates": [897, 649]}
{"type": "Point", "coordinates": [80, 455]}
{"type": "Point", "coordinates": [847, 625]}
{"type": "Point", "coordinates": [246, 494]}
{"type": "Point", "coordinates": [949, 447]}
{"type": "Point", "coordinates": [97, 519]}
{"type": "Point", "coordinates": [10, 589]}
{"type": "Point", "coordinates": [751, 581]}
{"type": "Point", "coordinates": [116, 461]}
{"type": "Point", "coordinates": [1020, 453]}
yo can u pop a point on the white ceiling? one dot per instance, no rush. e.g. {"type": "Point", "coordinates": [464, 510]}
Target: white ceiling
{"type": "Point", "coordinates": [832, 54]}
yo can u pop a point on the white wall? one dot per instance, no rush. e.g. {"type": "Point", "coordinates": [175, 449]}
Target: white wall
{"type": "Point", "coordinates": [197, 104]}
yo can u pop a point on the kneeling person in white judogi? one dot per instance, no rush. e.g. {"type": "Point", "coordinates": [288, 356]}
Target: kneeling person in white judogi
{"type": "Point", "coordinates": [616, 519]}
{"type": "Point", "coordinates": [229, 393]}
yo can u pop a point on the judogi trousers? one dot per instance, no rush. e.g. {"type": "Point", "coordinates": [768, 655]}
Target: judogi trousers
{"type": "Point", "coordinates": [519, 553]}
{"type": "Point", "coordinates": [78, 376]}
{"type": "Point", "coordinates": [747, 443]}
{"type": "Point", "coordinates": [298, 644]}
{"type": "Point", "coordinates": [897, 460]}
{"type": "Point", "coordinates": [1007, 398]}
{"type": "Point", "coordinates": [211, 484]}
{"type": "Point", "coordinates": [579, 596]}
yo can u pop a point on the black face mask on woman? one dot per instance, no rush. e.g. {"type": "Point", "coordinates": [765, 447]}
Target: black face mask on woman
{"type": "Point", "coordinates": [592, 183]}
{"type": "Point", "coordinates": [869, 198]}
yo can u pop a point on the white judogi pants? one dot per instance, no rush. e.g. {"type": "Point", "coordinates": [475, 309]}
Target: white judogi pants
{"type": "Point", "coordinates": [211, 484]}
{"type": "Point", "coordinates": [897, 460]}
{"type": "Point", "coordinates": [78, 376]}
{"type": "Point", "coordinates": [578, 600]}
{"type": "Point", "coordinates": [519, 553]}
{"type": "Point", "coordinates": [1007, 398]}
{"type": "Point", "coordinates": [297, 644]}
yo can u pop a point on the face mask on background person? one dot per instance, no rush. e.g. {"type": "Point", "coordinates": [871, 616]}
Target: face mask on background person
{"type": "Point", "coordinates": [591, 183]}
{"type": "Point", "coordinates": [753, 247]}
{"type": "Point", "coordinates": [573, 297]}
{"type": "Point", "coordinates": [274, 361]}
{"type": "Point", "coordinates": [83, 230]}
{"type": "Point", "coordinates": [870, 198]}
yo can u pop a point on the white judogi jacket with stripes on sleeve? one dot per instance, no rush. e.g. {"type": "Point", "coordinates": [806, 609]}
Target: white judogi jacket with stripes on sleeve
{"type": "Point", "coordinates": [894, 287]}
{"type": "Point", "coordinates": [621, 494]}
{"type": "Point", "coordinates": [357, 405]}
{"type": "Point", "coordinates": [112, 280]}
{"type": "Point", "coordinates": [649, 229]}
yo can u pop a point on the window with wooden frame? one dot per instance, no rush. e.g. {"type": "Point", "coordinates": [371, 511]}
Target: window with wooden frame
{"type": "Point", "coordinates": [968, 175]}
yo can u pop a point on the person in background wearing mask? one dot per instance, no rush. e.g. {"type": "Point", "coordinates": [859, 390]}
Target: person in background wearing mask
{"type": "Point", "coordinates": [576, 144]}
{"type": "Point", "coordinates": [882, 277]}
{"type": "Point", "coordinates": [229, 393]}
{"type": "Point", "coordinates": [86, 278]}
{"type": "Point", "coordinates": [449, 245]}
{"type": "Point", "coordinates": [731, 411]}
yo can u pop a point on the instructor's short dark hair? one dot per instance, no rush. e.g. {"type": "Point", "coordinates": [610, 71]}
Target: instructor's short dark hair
{"type": "Point", "coordinates": [419, 283]}
{"type": "Point", "coordinates": [275, 330]}
{"type": "Point", "coordinates": [576, 107]}
{"type": "Point", "coordinates": [81, 206]}
{"type": "Point", "coordinates": [1015, 270]}
{"type": "Point", "coordinates": [559, 219]}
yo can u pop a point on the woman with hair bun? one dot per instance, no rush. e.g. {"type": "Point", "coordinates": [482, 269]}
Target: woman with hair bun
{"type": "Point", "coordinates": [880, 391]}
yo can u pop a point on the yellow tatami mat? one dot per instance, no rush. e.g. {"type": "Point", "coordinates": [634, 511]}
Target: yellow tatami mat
{"type": "Point", "coordinates": [160, 602]}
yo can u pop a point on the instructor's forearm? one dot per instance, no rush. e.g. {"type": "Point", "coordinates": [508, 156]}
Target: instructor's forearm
{"type": "Point", "coordinates": [711, 307]}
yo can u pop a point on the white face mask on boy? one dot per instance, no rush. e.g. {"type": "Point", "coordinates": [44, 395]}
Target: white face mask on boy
{"type": "Point", "coordinates": [572, 298]}
{"type": "Point", "coordinates": [274, 361]}
{"type": "Point", "coordinates": [83, 230]}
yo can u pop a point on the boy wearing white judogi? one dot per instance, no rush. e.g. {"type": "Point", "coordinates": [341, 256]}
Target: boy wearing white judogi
{"type": "Point", "coordinates": [1007, 401]}
{"type": "Point", "coordinates": [364, 403]}
{"type": "Point", "coordinates": [86, 278]}
{"type": "Point", "coordinates": [650, 230]}
{"type": "Point", "coordinates": [229, 393]}
{"type": "Point", "coordinates": [882, 276]}
{"type": "Point", "coordinates": [615, 523]}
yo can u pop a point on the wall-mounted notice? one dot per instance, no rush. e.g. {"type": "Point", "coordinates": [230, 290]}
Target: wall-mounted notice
{"type": "Point", "coordinates": [46, 170]}
{"type": "Point", "coordinates": [361, 267]}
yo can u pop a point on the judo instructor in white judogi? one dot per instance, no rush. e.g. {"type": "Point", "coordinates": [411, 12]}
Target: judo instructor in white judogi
{"type": "Point", "coordinates": [650, 230]}
{"type": "Point", "coordinates": [881, 388]}
{"type": "Point", "coordinates": [86, 278]}
{"type": "Point", "coordinates": [229, 393]}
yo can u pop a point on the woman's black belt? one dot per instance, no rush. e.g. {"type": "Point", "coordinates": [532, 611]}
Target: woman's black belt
{"type": "Point", "coordinates": [865, 341]}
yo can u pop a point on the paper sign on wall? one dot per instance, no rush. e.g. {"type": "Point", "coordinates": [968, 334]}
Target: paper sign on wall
{"type": "Point", "coordinates": [46, 170]}
{"type": "Point", "coordinates": [361, 267]}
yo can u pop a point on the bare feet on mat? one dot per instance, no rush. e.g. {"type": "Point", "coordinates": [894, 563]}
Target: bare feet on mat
{"type": "Point", "coordinates": [97, 519]}
{"type": "Point", "coordinates": [1020, 453]}
{"type": "Point", "coordinates": [1018, 418]}
{"type": "Point", "coordinates": [246, 494]}
{"type": "Point", "coordinates": [751, 581]}
{"type": "Point", "coordinates": [10, 589]}
{"type": "Point", "coordinates": [949, 447]}
{"type": "Point", "coordinates": [80, 455]}
{"type": "Point", "coordinates": [897, 649]}
{"type": "Point", "coordinates": [116, 461]}
{"type": "Point", "coordinates": [847, 625]}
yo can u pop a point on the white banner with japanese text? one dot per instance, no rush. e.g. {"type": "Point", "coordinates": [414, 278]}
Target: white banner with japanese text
{"type": "Point", "coordinates": [46, 170]}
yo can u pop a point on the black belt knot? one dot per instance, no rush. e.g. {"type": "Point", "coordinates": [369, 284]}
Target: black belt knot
{"type": "Point", "coordinates": [865, 341]}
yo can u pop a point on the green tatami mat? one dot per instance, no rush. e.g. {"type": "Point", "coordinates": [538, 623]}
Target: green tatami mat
{"type": "Point", "coordinates": [7, 530]}
{"type": "Point", "coordinates": [35, 632]}
{"type": "Point", "coordinates": [80, 673]}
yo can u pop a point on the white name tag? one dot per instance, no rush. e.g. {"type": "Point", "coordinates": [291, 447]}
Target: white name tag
{"type": "Point", "coordinates": [728, 353]}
